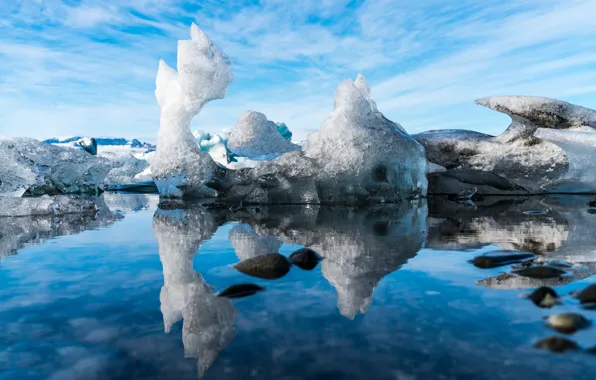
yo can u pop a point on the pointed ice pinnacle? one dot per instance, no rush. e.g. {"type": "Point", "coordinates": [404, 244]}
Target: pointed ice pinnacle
{"type": "Point", "coordinates": [179, 166]}
{"type": "Point", "coordinates": [256, 137]}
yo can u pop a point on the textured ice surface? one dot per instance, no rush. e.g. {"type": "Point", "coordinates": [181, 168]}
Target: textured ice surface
{"type": "Point", "coordinates": [127, 169]}
{"type": "Point", "coordinates": [180, 167]}
{"type": "Point", "coordinates": [45, 205]}
{"type": "Point", "coordinates": [518, 154]}
{"type": "Point", "coordinates": [580, 148]}
{"type": "Point", "coordinates": [41, 168]}
{"type": "Point", "coordinates": [207, 326]}
{"type": "Point", "coordinates": [255, 137]}
{"type": "Point", "coordinates": [531, 112]}
{"type": "Point", "coordinates": [357, 156]}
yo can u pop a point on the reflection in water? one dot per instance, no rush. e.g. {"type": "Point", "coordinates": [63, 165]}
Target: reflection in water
{"type": "Point", "coordinates": [248, 244]}
{"type": "Point", "coordinates": [359, 246]}
{"type": "Point", "coordinates": [554, 227]}
{"type": "Point", "coordinates": [207, 320]}
{"type": "Point", "coordinates": [18, 232]}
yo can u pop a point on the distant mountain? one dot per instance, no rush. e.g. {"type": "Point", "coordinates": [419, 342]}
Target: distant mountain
{"type": "Point", "coordinates": [106, 141]}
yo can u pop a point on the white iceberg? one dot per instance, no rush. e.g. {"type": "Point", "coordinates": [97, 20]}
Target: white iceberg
{"type": "Point", "coordinates": [180, 167]}
{"type": "Point", "coordinates": [257, 138]}
{"type": "Point", "coordinates": [40, 168]}
{"type": "Point", "coordinates": [45, 205]}
{"type": "Point", "coordinates": [357, 156]}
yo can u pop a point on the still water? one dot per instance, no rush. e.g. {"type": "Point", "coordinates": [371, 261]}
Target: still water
{"type": "Point", "coordinates": [131, 293]}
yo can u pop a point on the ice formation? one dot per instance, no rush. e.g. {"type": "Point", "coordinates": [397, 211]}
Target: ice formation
{"type": "Point", "coordinates": [45, 205]}
{"type": "Point", "coordinates": [257, 138]}
{"type": "Point", "coordinates": [580, 148]}
{"type": "Point", "coordinates": [180, 167]}
{"type": "Point", "coordinates": [207, 319]}
{"type": "Point", "coordinates": [40, 168]}
{"type": "Point", "coordinates": [357, 156]}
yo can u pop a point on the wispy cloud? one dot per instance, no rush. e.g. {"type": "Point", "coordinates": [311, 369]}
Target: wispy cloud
{"type": "Point", "coordinates": [89, 67]}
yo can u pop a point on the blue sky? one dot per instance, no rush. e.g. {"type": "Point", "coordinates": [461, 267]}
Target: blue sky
{"type": "Point", "coordinates": [88, 67]}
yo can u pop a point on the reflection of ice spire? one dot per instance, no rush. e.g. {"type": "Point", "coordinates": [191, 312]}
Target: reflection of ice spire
{"type": "Point", "coordinates": [207, 320]}
{"type": "Point", "coordinates": [247, 243]}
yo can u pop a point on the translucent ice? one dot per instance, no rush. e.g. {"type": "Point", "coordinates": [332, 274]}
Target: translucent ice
{"type": "Point", "coordinates": [255, 137]}
{"type": "Point", "coordinates": [180, 167]}
{"type": "Point", "coordinates": [580, 148]}
{"type": "Point", "coordinates": [357, 156]}
{"type": "Point", "coordinates": [40, 168]}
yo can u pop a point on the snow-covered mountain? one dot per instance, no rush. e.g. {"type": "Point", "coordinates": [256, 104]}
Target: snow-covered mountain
{"type": "Point", "coordinates": [105, 141]}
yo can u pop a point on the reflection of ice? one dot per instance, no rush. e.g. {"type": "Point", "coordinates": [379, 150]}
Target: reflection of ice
{"type": "Point", "coordinates": [207, 320]}
{"type": "Point", "coordinates": [130, 202]}
{"type": "Point", "coordinates": [503, 224]}
{"type": "Point", "coordinates": [249, 244]}
{"type": "Point", "coordinates": [359, 246]}
{"type": "Point", "coordinates": [564, 232]}
{"type": "Point", "coordinates": [18, 232]}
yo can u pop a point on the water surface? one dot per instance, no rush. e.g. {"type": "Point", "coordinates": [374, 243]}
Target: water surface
{"type": "Point", "coordinates": [130, 293]}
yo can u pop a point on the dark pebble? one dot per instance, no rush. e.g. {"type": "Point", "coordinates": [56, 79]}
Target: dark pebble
{"type": "Point", "coordinates": [592, 211]}
{"type": "Point", "coordinates": [305, 258]}
{"type": "Point", "coordinates": [240, 290]}
{"type": "Point", "coordinates": [556, 344]}
{"type": "Point", "coordinates": [269, 267]}
{"type": "Point", "coordinates": [567, 323]}
{"type": "Point", "coordinates": [544, 296]}
{"type": "Point", "coordinates": [500, 258]}
{"type": "Point", "coordinates": [540, 272]}
{"type": "Point", "coordinates": [592, 203]}
{"type": "Point", "coordinates": [587, 295]}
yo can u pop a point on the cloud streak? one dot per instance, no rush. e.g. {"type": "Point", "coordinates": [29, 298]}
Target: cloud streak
{"type": "Point", "coordinates": [90, 68]}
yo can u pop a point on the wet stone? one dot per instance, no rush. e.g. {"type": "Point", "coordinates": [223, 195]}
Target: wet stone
{"type": "Point", "coordinates": [587, 295]}
{"type": "Point", "coordinates": [305, 258]}
{"type": "Point", "coordinates": [544, 297]}
{"type": "Point", "coordinates": [540, 272]}
{"type": "Point", "coordinates": [556, 344]}
{"type": "Point", "coordinates": [500, 258]}
{"type": "Point", "coordinates": [592, 211]}
{"type": "Point", "coordinates": [592, 203]}
{"type": "Point", "coordinates": [240, 290]}
{"type": "Point", "coordinates": [567, 323]}
{"type": "Point", "coordinates": [269, 267]}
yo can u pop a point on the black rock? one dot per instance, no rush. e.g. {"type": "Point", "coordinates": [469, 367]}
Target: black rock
{"type": "Point", "coordinates": [592, 203]}
{"type": "Point", "coordinates": [500, 258]}
{"type": "Point", "coordinates": [305, 258]}
{"type": "Point", "coordinates": [592, 211]}
{"type": "Point", "coordinates": [240, 290]}
{"type": "Point", "coordinates": [557, 344]}
{"type": "Point", "coordinates": [587, 295]}
{"type": "Point", "coordinates": [567, 323]}
{"type": "Point", "coordinates": [540, 272]}
{"type": "Point", "coordinates": [269, 267]}
{"type": "Point", "coordinates": [544, 296]}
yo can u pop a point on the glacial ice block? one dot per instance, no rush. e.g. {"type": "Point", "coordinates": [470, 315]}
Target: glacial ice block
{"type": "Point", "coordinates": [580, 148]}
{"type": "Point", "coordinates": [532, 112]}
{"type": "Point", "coordinates": [40, 168]}
{"type": "Point", "coordinates": [357, 156]}
{"type": "Point", "coordinates": [180, 167]}
{"type": "Point", "coordinates": [256, 137]}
